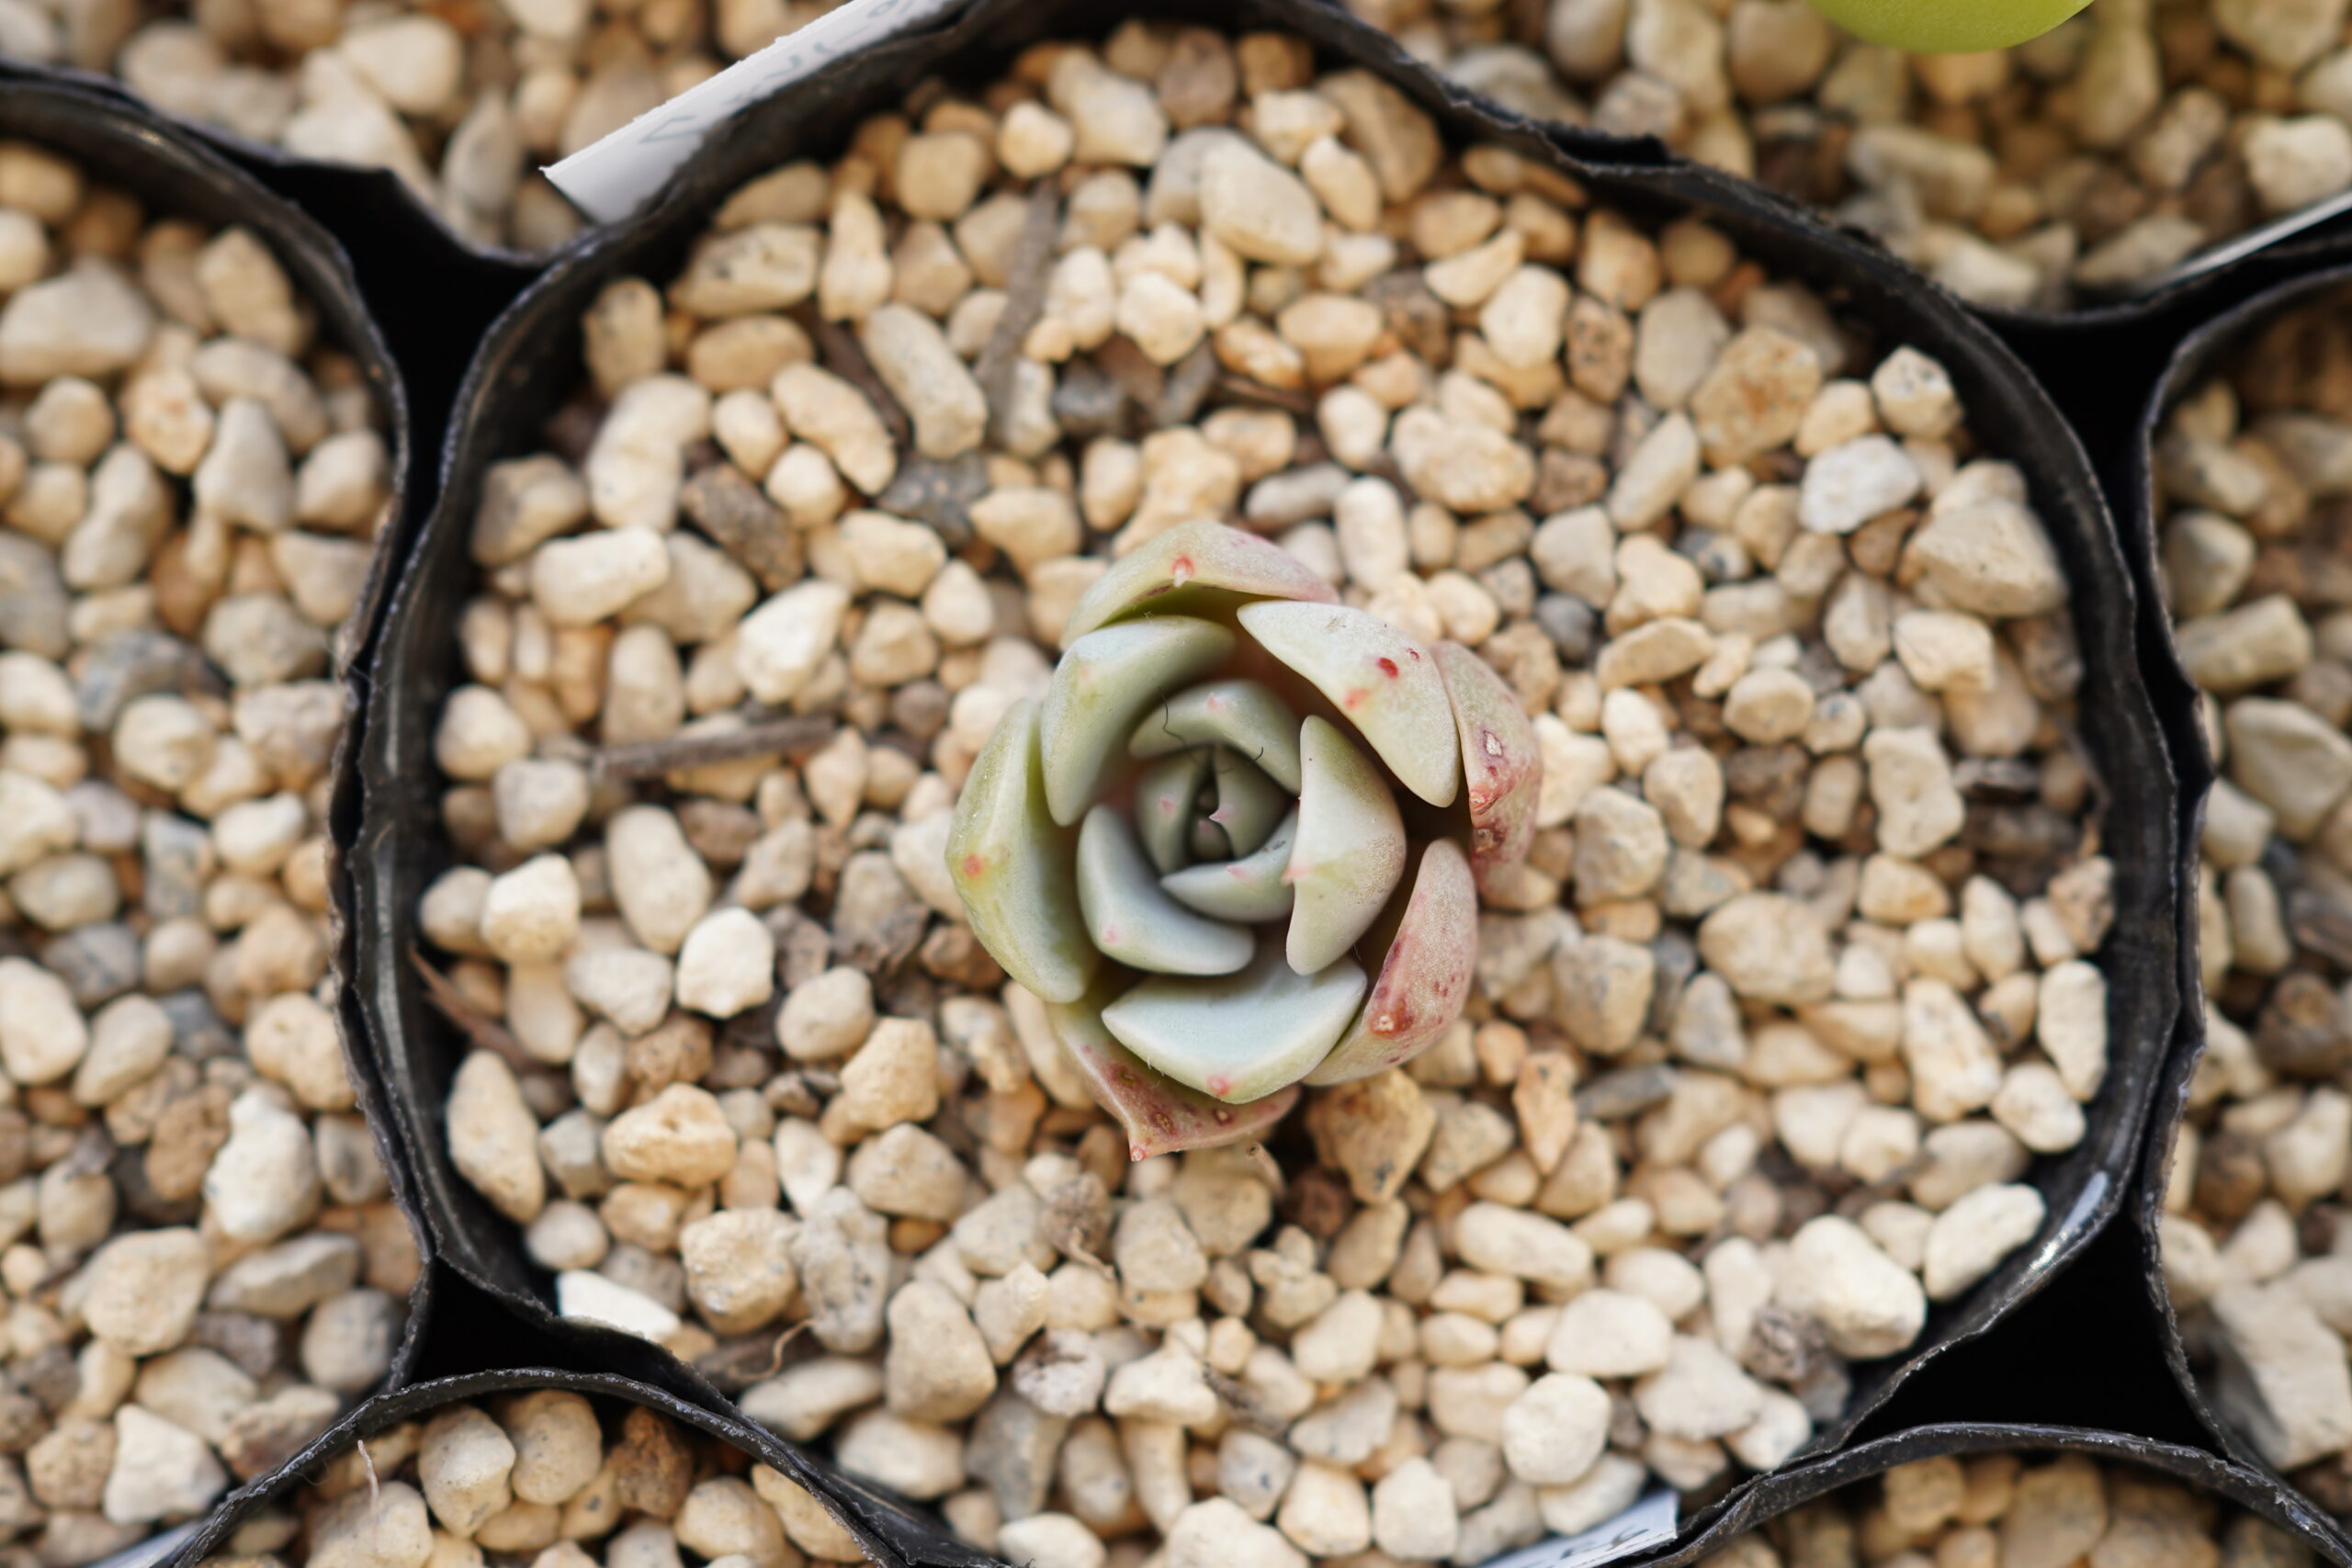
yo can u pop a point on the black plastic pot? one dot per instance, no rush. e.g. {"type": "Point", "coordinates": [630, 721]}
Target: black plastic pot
{"type": "Point", "coordinates": [890, 1536]}
{"type": "Point", "coordinates": [122, 144]}
{"type": "Point", "coordinates": [2202, 353]}
{"type": "Point", "coordinates": [531, 364]}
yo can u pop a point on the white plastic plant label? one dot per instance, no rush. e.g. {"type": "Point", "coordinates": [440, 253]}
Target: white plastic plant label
{"type": "Point", "coordinates": [1648, 1523]}
{"type": "Point", "coordinates": [615, 176]}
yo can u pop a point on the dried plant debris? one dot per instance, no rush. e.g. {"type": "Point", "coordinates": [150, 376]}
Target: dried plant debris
{"type": "Point", "coordinates": [2099, 154]}
{"type": "Point", "coordinates": [2254, 470]}
{"type": "Point", "coordinates": [541, 1477]}
{"type": "Point", "coordinates": [1799, 974]}
{"type": "Point", "coordinates": [202, 1261]}
{"type": "Point", "coordinates": [2016, 1510]}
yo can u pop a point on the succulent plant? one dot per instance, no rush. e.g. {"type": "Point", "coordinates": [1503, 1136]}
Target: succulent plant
{"type": "Point", "coordinates": [1238, 842]}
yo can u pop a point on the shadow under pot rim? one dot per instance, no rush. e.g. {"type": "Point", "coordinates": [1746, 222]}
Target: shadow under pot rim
{"type": "Point", "coordinates": [530, 365]}
{"type": "Point", "coordinates": [2204, 356]}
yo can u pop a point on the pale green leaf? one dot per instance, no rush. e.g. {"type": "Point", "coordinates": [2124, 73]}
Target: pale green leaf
{"type": "Point", "coordinates": [1102, 686]}
{"type": "Point", "coordinates": [1191, 567]}
{"type": "Point", "coordinates": [1012, 867]}
{"type": "Point", "coordinates": [1168, 797]}
{"type": "Point", "coordinates": [1244, 714]}
{"type": "Point", "coordinates": [1132, 921]}
{"type": "Point", "coordinates": [1250, 889]}
{"type": "Point", "coordinates": [1350, 848]}
{"type": "Point", "coordinates": [1242, 1036]}
{"type": "Point", "coordinates": [1248, 804]}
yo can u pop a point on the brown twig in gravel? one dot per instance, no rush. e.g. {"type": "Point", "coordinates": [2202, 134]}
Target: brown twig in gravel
{"type": "Point", "coordinates": [1243, 389]}
{"type": "Point", "coordinates": [652, 759]}
{"type": "Point", "coordinates": [839, 349]}
{"type": "Point", "coordinates": [471, 1022]}
{"type": "Point", "coordinates": [1185, 387]}
{"type": "Point", "coordinates": [1024, 302]}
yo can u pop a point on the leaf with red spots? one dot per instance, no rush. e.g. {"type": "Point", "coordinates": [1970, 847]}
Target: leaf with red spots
{"type": "Point", "coordinates": [1191, 562]}
{"type": "Point", "coordinates": [1160, 1115]}
{"type": "Point", "coordinates": [1385, 684]}
{"type": "Point", "coordinates": [1424, 979]}
{"type": "Point", "coordinates": [1500, 760]}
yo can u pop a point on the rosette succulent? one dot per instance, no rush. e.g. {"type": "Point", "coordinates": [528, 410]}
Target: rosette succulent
{"type": "Point", "coordinates": [1238, 844]}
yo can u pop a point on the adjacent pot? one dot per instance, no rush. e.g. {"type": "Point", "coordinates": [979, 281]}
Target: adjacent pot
{"type": "Point", "coordinates": [890, 1536]}
{"type": "Point", "coordinates": [140, 152]}
{"type": "Point", "coordinates": [1775, 1495]}
{"type": "Point", "coordinates": [2202, 352]}
{"type": "Point", "coordinates": [383, 188]}
{"type": "Point", "coordinates": [531, 362]}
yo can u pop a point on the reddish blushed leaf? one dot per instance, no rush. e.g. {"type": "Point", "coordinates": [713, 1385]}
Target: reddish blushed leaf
{"type": "Point", "coordinates": [1425, 978]}
{"type": "Point", "coordinates": [1502, 765]}
{"type": "Point", "coordinates": [1160, 1115]}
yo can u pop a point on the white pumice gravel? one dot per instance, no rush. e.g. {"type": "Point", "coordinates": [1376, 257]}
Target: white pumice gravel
{"type": "Point", "coordinates": [2253, 468]}
{"type": "Point", "coordinates": [1800, 973]}
{"type": "Point", "coordinates": [202, 1262]}
{"type": "Point", "coordinates": [546, 1477]}
{"type": "Point", "coordinates": [2019, 1509]}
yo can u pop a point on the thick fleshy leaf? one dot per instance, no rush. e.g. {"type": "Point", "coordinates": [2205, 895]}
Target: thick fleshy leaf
{"type": "Point", "coordinates": [1204, 558]}
{"type": "Point", "coordinates": [1425, 977]}
{"type": "Point", "coordinates": [1384, 683]}
{"type": "Point", "coordinates": [1350, 850]}
{"type": "Point", "coordinates": [1132, 921]}
{"type": "Point", "coordinates": [1168, 797]}
{"type": "Point", "coordinates": [1102, 685]}
{"type": "Point", "coordinates": [1245, 1035]}
{"type": "Point", "coordinates": [1209, 842]}
{"type": "Point", "coordinates": [1501, 763]}
{"type": "Point", "coordinates": [1250, 889]}
{"type": "Point", "coordinates": [1247, 803]}
{"type": "Point", "coordinates": [1244, 714]}
{"type": "Point", "coordinates": [1012, 867]}
{"type": "Point", "coordinates": [1160, 1115]}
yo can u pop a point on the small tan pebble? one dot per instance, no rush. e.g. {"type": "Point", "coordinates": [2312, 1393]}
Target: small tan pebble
{"type": "Point", "coordinates": [463, 1464]}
